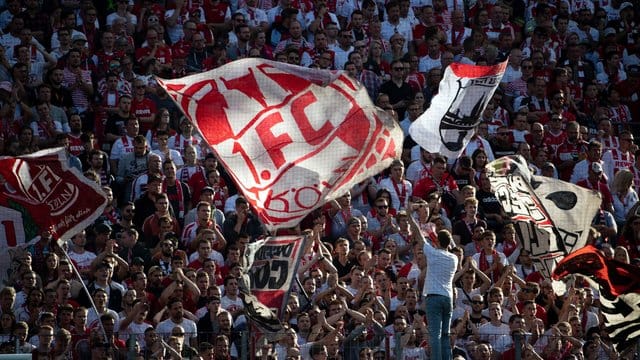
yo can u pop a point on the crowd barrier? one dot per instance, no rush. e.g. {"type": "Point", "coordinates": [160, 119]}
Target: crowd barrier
{"type": "Point", "coordinates": [248, 345]}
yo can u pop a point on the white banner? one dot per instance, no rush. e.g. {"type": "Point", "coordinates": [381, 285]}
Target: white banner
{"type": "Point", "coordinates": [552, 217]}
{"type": "Point", "coordinates": [463, 94]}
{"type": "Point", "coordinates": [292, 138]}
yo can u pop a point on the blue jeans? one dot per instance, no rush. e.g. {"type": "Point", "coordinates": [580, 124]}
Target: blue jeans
{"type": "Point", "coordinates": [439, 321]}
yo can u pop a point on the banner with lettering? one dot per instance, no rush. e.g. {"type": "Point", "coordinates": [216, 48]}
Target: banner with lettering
{"type": "Point", "coordinates": [463, 94]}
{"type": "Point", "coordinates": [40, 191]}
{"type": "Point", "coordinates": [269, 267]}
{"type": "Point", "coordinates": [292, 138]}
{"type": "Point", "coordinates": [552, 217]}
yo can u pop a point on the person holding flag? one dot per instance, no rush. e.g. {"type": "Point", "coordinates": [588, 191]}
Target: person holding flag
{"type": "Point", "coordinates": [438, 289]}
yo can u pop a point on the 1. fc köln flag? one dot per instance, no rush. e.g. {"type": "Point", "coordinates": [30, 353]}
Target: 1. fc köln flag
{"type": "Point", "coordinates": [551, 217]}
{"type": "Point", "coordinates": [40, 191]}
{"type": "Point", "coordinates": [463, 94]}
{"type": "Point", "coordinates": [619, 285]}
{"type": "Point", "coordinates": [292, 138]}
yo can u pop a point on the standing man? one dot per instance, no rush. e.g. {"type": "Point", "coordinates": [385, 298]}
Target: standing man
{"type": "Point", "coordinates": [438, 289]}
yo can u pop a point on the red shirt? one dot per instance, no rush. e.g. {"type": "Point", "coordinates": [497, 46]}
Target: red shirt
{"type": "Point", "coordinates": [143, 108]}
{"type": "Point", "coordinates": [554, 141]}
{"type": "Point", "coordinates": [163, 54]}
{"type": "Point", "coordinates": [570, 151]}
{"type": "Point", "coordinates": [215, 13]}
{"type": "Point", "coordinates": [427, 185]}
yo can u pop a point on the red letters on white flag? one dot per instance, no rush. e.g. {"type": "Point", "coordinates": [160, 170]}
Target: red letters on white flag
{"type": "Point", "coordinates": [291, 137]}
{"type": "Point", "coordinates": [463, 94]}
{"type": "Point", "coordinates": [39, 192]}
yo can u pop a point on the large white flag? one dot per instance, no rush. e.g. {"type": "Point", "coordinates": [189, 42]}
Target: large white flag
{"type": "Point", "coordinates": [463, 94]}
{"type": "Point", "coordinates": [552, 217]}
{"type": "Point", "coordinates": [292, 138]}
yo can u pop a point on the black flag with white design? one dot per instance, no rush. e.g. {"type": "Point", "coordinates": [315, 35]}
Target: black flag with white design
{"type": "Point", "coordinates": [619, 285]}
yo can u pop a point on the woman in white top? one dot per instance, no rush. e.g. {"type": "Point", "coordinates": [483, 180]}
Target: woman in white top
{"type": "Point", "coordinates": [624, 197]}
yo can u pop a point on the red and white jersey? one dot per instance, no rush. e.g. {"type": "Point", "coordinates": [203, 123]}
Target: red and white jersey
{"type": "Point", "coordinates": [614, 160]}
{"type": "Point", "coordinates": [609, 142]}
{"type": "Point", "coordinates": [83, 261]}
{"type": "Point", "coordinates": [75, 145]}
{"type": "Point", "coordinates": [179, 143]}
{"type": "Point", "coordinates": [554, 140]}
{"type": "Point", "coordinates": [121, 146]}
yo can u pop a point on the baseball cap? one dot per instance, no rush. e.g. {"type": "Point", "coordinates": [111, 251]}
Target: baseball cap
{"type": "Point", "coordinates": [626, 5]}
{"type": "Point", "coordinates": [596, 167]}
{"type": "Point", "coordinates": [609, 31]}
{"type": "Point", "coordinates": [79, 37]}
{"type": "Point", "coordinates": [137, 261]}
{"type": "Point", "coordinates": [208, 188]}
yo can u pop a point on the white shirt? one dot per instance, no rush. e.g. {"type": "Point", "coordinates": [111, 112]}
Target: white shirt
{"type": "Point", "coordinates": [403, 27]}
{"type": "Point", "coordinates": [120, 148]}
{"type": "Point", "coordinates": [404, 189]}
{"type": "Point", "coordinates": [190, 329]}
{"type": "Point", "coordinates": [442, 267]}
{"type": "Point", "coordinates": [498, 336]}
{"type": "Point", "coordinates": [427, 63]}
{"type": "Point", "coordinates": [174, 155]}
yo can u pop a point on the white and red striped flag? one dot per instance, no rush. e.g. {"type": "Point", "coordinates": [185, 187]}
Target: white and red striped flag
{"type": "Point", "coordinates": [292, 138]}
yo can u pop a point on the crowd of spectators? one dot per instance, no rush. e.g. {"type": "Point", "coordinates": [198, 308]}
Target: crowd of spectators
{"type": "Point", "coordinates": [161, 264]}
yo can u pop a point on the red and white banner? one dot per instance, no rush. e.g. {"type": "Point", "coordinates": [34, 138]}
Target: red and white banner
{"type": "Point", "coordinates": [40, 191]}
{"type": "Point", "coordinates": [291, 137]}
{"type": "Point", "coordinates": [273, 264]}
{"type": "Point", "coordinates": [463, 94]}
{"type": "Point", "coordinates": [269, 268]}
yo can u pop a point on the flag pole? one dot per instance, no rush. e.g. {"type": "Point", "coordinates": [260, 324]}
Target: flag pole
{"type": "Point", "coordinates": [84, 288]}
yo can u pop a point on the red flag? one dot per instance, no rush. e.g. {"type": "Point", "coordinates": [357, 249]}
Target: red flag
{"type": "Point", "coordinates": [619, 285]}
{"type": "Point", "coordinates": [40, 191]}
{"type": "Point", "coordinates": [616, 277]}
{"type": "Point", "coordinates": [291, 137]}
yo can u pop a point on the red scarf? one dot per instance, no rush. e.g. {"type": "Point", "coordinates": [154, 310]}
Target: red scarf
{"type": "Point", "coordinates": [484, 263]}
{"type": "Point", "coordinates": [179, 196]}
{"type": "Point", "coordinates": [402, 192]}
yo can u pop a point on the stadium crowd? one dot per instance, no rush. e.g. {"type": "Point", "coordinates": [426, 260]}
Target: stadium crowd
{"type": "Point", "coordinates": [161, 264]}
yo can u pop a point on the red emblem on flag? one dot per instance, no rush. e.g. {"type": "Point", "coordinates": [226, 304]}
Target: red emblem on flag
{"type": "Point", "coordinates": [291, 137]}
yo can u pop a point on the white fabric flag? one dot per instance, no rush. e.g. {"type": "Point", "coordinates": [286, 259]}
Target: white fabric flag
{"type": "Point", "coordinates": [463, 94]}
{"type": "Point", "coordinates": [292, 138]}
{"type": "Point", "coordinates": [552, 217]}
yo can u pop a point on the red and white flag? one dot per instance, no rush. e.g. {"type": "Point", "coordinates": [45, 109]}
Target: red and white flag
{"type": "Point", "coordinates": [41, 191]}
{"type": "Point", "coordinates": [292, 138]}
{"type": "Point", "coordinates": [463, 94]}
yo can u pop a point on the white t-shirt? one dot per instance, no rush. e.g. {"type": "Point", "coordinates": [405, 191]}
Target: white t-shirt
{"type": "Point", "coordinates": [190, 329]}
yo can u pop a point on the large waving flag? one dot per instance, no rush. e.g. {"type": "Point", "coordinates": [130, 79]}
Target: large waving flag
{"type": "Point", "coordinates": [619, 286]}
{"type": "Point", "coordinates": [551, 217]}
{"type": "Point", "coordinates": [463, 94]}
{"type": "Point", "coordinates": [40, 192]}
{"type": "Point", "coordinates": [292, 138]}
